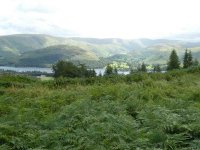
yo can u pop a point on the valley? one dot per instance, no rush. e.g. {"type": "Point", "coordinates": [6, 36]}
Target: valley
{"type": "Point", "coordinates": [36, 50]}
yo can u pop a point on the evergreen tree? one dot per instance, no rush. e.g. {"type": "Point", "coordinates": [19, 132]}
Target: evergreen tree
{"type": "Point", "coordinates": [157, 68]}
{"type": "Point", "coordinates": [185, 59]}
{"type": "Point", "coordinates": [196, 62]}
{"type": "Point", "coordinates": [143, 67]}
{"type": "Point", "coordinates": [190, 62]}
{"type": "Point", "coordinates": [173, 62]}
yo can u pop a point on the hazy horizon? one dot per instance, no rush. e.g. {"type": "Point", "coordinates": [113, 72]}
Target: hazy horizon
{"type": "Point", "coordinates": [129, 19]}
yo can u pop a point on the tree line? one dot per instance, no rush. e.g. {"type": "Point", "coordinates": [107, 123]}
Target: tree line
{"type": "Point", "coordinates": [68, 69]}
{"type": "Point", "coordinates": [174, 62]}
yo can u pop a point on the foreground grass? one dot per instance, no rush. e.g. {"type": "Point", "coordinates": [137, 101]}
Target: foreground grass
{"type": "Point", "coordinates": [141, 111]}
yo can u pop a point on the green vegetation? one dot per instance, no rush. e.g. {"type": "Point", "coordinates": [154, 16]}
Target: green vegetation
{"type": "Point", "coordinates": [142, 68]}
{"type": "Point", "coordinates": [137, 111]}
{"type": "Point", "coordinates": [157, 68]}
{"type": "Point", "coordinates": [52, 54]}
{"type": "Point", "coordinates": [195, 62]}
{"type": "Point", "coordinates": [68, 69]}
{"type": "Point", "coordinates": [173, 62]}
{"type": "Point", "coordinates": [120, 65]}
{"type": "Point", "coordinates": [110, 70]}
{"type": "Point", "coordinates": [187, 60]}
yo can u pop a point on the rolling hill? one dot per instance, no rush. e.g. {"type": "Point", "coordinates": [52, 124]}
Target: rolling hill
{"type": "Point", "coordinates": [43, 50]}
{"type": "Point", "coordinates": [52, 54]}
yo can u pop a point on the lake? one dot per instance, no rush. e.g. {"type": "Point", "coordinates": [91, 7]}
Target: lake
{"type": "Point", "coordinates": [48, 70]}
{"type": "Point", "coordinates": [26, 69]}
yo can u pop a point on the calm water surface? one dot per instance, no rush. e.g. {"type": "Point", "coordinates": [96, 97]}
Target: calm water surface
{"type": "Point", "coordinates": [48, 70]}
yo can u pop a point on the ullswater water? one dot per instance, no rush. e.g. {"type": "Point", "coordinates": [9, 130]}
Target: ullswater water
{"type": "Point", "coordinates": [47, 70]}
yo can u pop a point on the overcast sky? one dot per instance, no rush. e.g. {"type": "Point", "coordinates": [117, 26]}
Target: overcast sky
{"type": "Point", "coordinates": [100, 18]}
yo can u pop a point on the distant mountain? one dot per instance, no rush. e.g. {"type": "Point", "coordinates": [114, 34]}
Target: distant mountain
{"type": "Point", "coordinates": [14, 48]}
{"type": "Point", "coordinates": [189, 37]}
{"type": "Point", "coordinates": [43, 50]}
{"type": "Point", "coordinates": [52, 54]}
{"type": "Point", "coordinates": [25, 42]}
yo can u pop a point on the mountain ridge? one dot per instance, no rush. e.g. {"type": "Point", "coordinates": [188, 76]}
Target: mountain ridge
{"type": "Point", "coordinates": [14, 49]}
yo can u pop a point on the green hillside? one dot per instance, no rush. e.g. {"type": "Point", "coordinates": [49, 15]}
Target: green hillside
{"type": "Point", "coordinates": [14, 49]}
{"type": "Point", "coordinates": [43, 50]}
{"type": "Point", "coordinates": [52, 54]}
{"type": "Point", "coordinates": [26, 42]}
{"type": "Point", "coordinates": [12, 46]}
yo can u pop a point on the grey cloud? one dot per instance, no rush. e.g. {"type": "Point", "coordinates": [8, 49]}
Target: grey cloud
{"type": "Point", "coordinates": [36, 27]}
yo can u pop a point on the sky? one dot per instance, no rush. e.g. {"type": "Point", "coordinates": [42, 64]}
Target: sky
{"type": "Point", "coordinates": [100, 18]}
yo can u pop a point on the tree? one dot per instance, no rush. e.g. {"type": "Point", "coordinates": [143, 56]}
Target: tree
{"type": "Point", "coordinates": [173, 62]}
{"type": "Point", "coordinates": [109, 70]}
{"type": "Point", "coordinates": [94, 74]}
{"type": "Point", "coordinates": [143, 67]}
{"type": "Point", "coordinates": [157, 68]}
{"type": "Point", "coordinates": [190, 61]}
{"type": "Point", "coordinates": [185, 59]}
{"type": "Point", "coordinates": [68, 69]}
{"type": "Point", "coordinates": [90, 73]}
{"type": "Point", "coordinates": [195, 62]}
{"type": "Point", "coordinates": [65, 69]}
{"type": "Point", "coordinates": [83, 71]}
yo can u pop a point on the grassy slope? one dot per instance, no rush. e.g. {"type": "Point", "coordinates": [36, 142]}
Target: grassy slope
{"type": "Point", "coordinates": [52, 54]}
{"type": "Point", "coordinates": [22, 43]}
{"type": "Point", "coordinates": [27, 42]}
{"type": "Point", "coordinates": [159, 52]}
{"type": "Point", "coordinates": [12, 46]}
{"type": "Point", "coordinates": [155, 111]}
